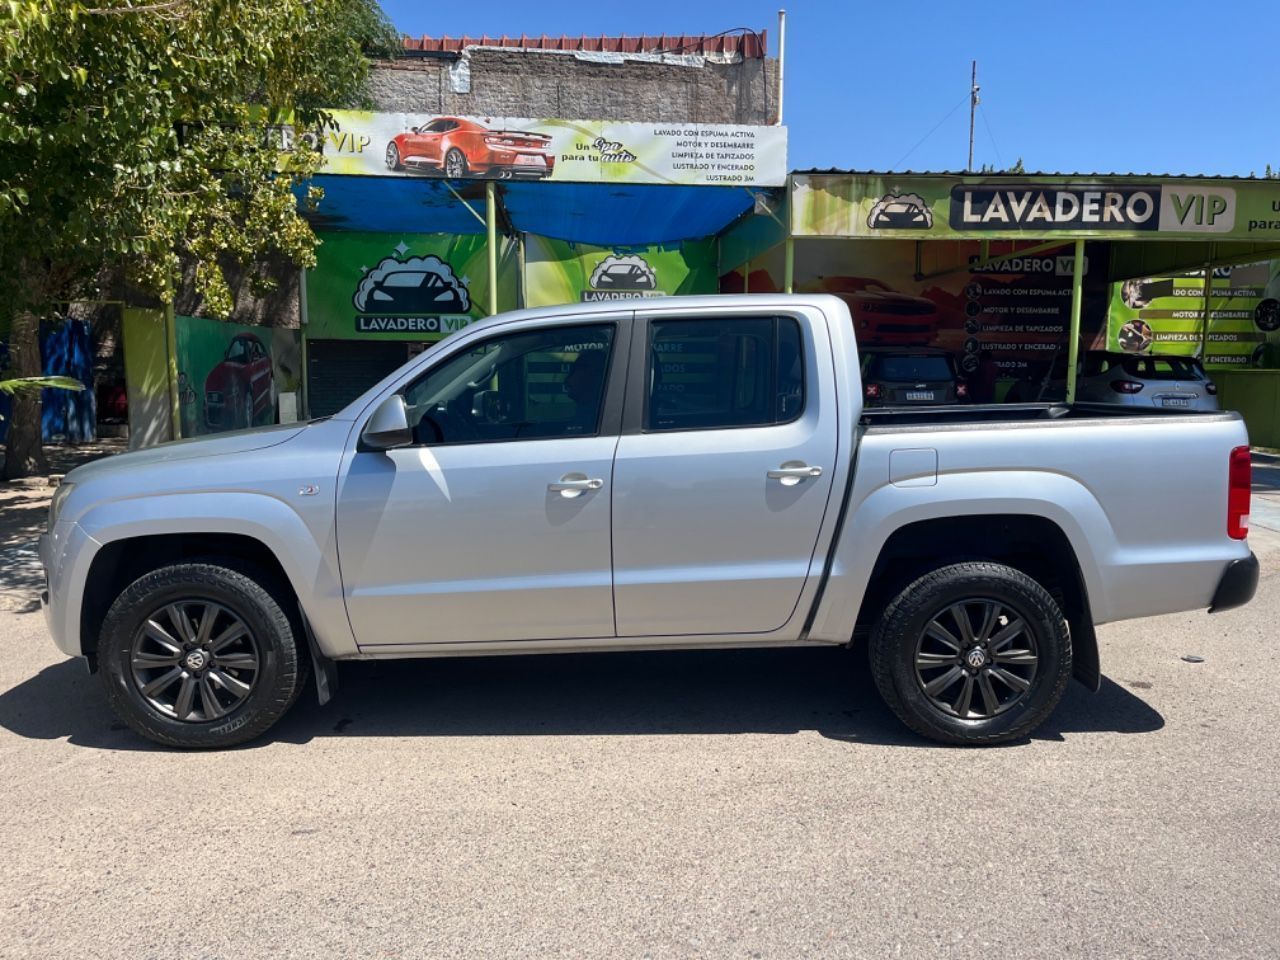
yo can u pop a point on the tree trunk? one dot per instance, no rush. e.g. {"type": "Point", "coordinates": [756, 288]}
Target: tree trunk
{"type": "Point", "coordinates": [24, 451]}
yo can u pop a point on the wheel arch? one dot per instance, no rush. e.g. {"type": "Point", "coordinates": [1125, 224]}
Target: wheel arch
{"type": "Point", "coordinates": [135, 537]}
{"type": "Point", "coordinates": [1031, 543]}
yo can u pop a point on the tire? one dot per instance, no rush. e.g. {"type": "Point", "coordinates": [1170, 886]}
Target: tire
{"type": "Point", "coordinates": [393, 157]}
{"type": "Point", "coordinates": [455, 164]}
{"type": "Point", "coordinates": [911, 661]}
{"type": "Point", "coordinates": [134, 656]}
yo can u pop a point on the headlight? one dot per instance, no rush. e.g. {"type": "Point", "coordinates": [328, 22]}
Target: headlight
{"type": "Point", "coordinates": [59, 498]}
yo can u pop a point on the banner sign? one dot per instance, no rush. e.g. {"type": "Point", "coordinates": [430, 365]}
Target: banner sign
{"type": "Point", "coordinates": [392, 287]}
{"type": "Point", "coordinates": [560, 272]}
{"type": "Point", "coordinates": [836, 205]}
{"type": "Point", "coordinates": [1166, 315]}
{"type": "Point", "coordinates": [232, 376]}
{"type": "Point", "coordinates": [520, 148]}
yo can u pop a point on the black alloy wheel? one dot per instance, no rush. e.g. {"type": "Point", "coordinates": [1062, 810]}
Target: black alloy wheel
{"type": "Point", "coordinates": [194, 660]}
{"type": "Point", "coordinates": [975, 658]}
{"type": "Point", "coordinates": [972, 653]}
{"type": "Point", "coordinates": [203, 653]}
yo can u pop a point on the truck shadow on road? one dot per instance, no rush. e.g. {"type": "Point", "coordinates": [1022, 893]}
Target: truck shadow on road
{"type": "Point", "coordinates": [621, 694]}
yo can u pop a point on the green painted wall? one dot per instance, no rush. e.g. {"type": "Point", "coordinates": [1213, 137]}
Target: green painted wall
{"type": "Point", "coordinates": [1255, 394]}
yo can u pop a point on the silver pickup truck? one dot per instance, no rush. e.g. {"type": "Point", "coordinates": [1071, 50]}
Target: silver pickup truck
{"type": "Point", "coordinates": [659, 474]}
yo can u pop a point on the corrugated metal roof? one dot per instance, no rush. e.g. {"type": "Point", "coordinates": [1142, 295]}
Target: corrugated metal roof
{"type": "Point", "coordinates": [749, 44]}
{"type": "Point", "coordinates": [836, 171]}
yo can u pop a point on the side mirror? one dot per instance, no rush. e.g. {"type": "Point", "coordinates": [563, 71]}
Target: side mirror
{"type": "Point", "coordinates": [388, 428]}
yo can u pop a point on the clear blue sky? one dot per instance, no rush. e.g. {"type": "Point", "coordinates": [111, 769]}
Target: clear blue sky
{"type": "Point", "coordinates": [1119, 86]}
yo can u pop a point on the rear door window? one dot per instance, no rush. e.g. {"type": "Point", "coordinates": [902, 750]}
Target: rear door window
{"type": "Point", "coordinates": [737, 372]}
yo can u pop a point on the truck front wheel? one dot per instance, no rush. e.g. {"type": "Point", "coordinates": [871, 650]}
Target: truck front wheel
{"type": "Point", "coordinates": [972, 653]}
{"type": "Point", "coordinates": [201, 654]}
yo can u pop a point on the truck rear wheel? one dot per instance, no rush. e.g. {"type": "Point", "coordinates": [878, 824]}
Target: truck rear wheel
{"type": "Point", "coordinates": [200, 654]}
{"type": "Point", "coordinates": [972, 653]}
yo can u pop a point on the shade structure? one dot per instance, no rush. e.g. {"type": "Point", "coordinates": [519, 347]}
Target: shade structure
{"type": "Point", "coordinates": [603, 214]}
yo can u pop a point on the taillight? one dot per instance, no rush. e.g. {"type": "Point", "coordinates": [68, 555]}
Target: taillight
{"type": "Point", "coordinates": [872, 391]}
{"type": "Point", "coordinates": [1126, 386]}
{"type": "Point", "coordinates": [1239, 485]}
{"type": "Point", "coordinates": [1211, 388]}
{"type": "Point", "coordinates": [962, 390]}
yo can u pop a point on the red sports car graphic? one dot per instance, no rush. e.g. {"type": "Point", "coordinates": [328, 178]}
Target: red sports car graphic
{"type": "Point", "coordinates": [457, 147]}
{"type": "Point", "coordinates": [241, 388]}
{"type": "Point", "coordinates": [883, 315]}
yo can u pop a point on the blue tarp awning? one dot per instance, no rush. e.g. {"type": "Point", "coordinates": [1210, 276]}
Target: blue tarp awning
{"type": "Point", "coordinates": [603, 214]}
{"type": "Point", "coordinates": [622, 215]}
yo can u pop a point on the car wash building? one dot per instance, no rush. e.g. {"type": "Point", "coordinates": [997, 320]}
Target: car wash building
{"type": "Point", "coordinates": [1029, 271]}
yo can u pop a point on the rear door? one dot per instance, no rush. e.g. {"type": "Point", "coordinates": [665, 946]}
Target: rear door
{"type": "Point", "coordinates": [723, 473]}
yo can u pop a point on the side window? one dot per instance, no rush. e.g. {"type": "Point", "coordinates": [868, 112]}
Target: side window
{"type": "Point", "coordinates": [739, 372]}
{"type": "Point", "coordinates": [529, 385]}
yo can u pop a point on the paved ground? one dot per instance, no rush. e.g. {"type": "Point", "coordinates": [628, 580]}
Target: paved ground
{"type": "Point", "coordinates": [753, 804]}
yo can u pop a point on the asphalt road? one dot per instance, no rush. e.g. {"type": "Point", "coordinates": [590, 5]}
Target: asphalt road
{"type": "Point", "coordinates": [728, 804]}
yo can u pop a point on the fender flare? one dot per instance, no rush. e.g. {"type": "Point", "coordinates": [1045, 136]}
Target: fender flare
{"type": "Point", "coordinates": [310, 566]}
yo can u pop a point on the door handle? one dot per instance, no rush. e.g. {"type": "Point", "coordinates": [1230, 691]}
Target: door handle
{"type": "Point", "coordinates": [793, 471]}
{"type": "Point", "coordinates": [575, 485]}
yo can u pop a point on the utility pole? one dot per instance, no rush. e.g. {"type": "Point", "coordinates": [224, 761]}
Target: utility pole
{"type": "Point", "coordinates": [973, 106]}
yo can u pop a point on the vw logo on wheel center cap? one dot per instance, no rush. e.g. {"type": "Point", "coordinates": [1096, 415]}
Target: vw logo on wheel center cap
{"type": "Point", "coordinates": [195, 660]}
{"type": "Point", "coordinates": [976, 658]}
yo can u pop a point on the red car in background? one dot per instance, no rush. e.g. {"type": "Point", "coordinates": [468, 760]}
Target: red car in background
{"type": "Point", "coordinates": [883, 315]}
{"type": "Point", "coordinates": [457, 147]}
{"type": "Point", "coordinates": [241, 388]}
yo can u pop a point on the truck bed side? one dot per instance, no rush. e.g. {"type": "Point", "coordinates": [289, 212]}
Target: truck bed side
{"type": "Point", "coordinates": [1142, 502]}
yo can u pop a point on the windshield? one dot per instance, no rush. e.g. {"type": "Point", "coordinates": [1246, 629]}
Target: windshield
{"type": "Point", "coordinates": [908, 368]}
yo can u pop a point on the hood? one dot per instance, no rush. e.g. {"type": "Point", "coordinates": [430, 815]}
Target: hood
{"type": "Point", "coordinates": [236, 441]}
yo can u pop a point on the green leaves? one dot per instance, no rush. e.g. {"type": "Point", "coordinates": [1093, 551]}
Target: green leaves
{"type": "Point", "coordinates": [127, 140]}
{"type": "Point", "coordinates": [27, 384]}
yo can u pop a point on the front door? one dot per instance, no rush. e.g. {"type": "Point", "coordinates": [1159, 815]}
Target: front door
{"type": "Point", "coordinates": [495, 524]}
{"type": "Point", "coordinates": [723, 473]}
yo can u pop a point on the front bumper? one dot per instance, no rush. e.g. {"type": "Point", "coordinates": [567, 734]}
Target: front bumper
{"type": "Point", "coordinates": [1238, 584]}
{"type": "Point", "coordinates": [66, 553]}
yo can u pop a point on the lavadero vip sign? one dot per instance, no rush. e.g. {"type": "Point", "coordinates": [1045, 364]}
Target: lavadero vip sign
{"type": "Point", "coordinates": [558, 272]}
{"type": "Point", "coordinates": [503, 148]}
{"type": "Point", "coordinates": [837, 205]}
{"type": "Point", "coordinates": [402, 287]}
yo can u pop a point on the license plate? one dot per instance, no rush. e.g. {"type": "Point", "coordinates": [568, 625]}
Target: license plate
{"type": "Point", "coordinates": [530, 160]}
{"type": "Point", "coordinates": [1176, 402]}
{"type": "Point", "coordinates": [919, 394]}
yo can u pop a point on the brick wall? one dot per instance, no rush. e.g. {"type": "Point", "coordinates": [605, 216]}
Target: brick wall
{"type": "Point", "coordinates": [514, 83]}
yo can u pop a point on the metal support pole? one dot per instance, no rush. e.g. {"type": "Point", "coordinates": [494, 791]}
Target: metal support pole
{"type": "Point", "coordinates": [171, 348]}
{"type": "Point", "coordinates": [789, 267]}
{"type": "Point", "coordinates": [491, 228]}
{"type": "Point", "coordinates": [1073, 344]}
{"type": "Point", "coordinates": [1204, 319]}
{"type": "Point", "coordinates": [523, 300]}
{"type": "Point", "coordinates": [782, 58]}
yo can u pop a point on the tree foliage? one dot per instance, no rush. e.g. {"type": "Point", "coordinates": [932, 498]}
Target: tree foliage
{"type": "Point", "coordinates": [134, 134]}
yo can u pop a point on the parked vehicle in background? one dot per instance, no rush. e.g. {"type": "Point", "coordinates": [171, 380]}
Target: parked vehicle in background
{"type": "Point", "coordinates": [689, 473]}
{"type": "Point", "coordinates": [1151, 381]}
{"type": "Point", "coordinates": [882, 315]}
{"type": "Point", "coordinates": [457, 147]}
{"type": "Point", "coordinates": [240, 389]}
{"type": "Point", "coordinates": [910, 378]}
